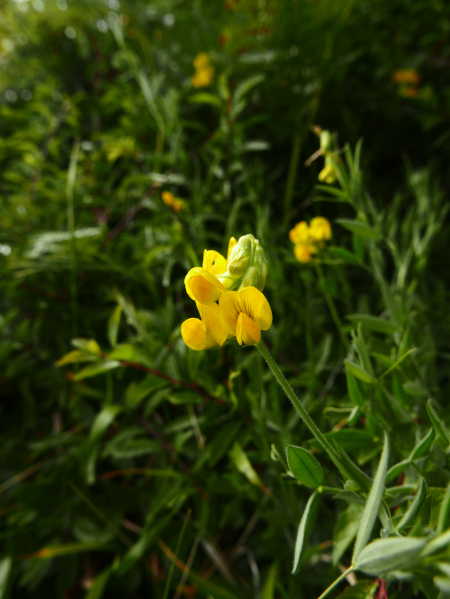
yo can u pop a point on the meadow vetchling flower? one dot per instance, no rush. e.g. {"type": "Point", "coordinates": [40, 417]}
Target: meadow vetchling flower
{"type": "Point", "coordinates": [242, 313]}
{"type": "Point", "coordinates": [170, 200]}
{"type": "Point", "coordinates": [204, 73]}
{"type": "Point", "coordinates": [308, 239]}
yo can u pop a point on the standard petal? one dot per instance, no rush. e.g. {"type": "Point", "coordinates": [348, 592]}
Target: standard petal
{"type": "Point", "coordinates": [214, 262]}
{"type": "Point", "coordinates": [320, 228]}
{"type": "Point", "coordinates": [247, 330]}
{"type": "Point", "coordinates": [193, 332]}
{"type": "Point", "coordinates": [254, 304]}
{"type": "Point", "coordinates": [231, 244]}
{"type": "Point", "coordinates": [300, 233]}
{"type": "Point", "coordinates": [211, 318]}
{"type": "Point", "coordinates": [230, 308]}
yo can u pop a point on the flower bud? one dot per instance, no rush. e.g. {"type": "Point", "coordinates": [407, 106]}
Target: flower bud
{"type": "Point", "coordinates": [247, 266]}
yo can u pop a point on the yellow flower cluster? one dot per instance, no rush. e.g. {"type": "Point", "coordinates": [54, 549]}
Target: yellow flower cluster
{"type": "Point", "coordinates": [408, 81]}
{"type": "Point", "coordinates": [308, 239]}
{"type": "Point", "coordinates": [170, 200]}
{"type": "Point", "coordinates": [224, 312]}
{"type": "Point", "coordinates": [204, 73]}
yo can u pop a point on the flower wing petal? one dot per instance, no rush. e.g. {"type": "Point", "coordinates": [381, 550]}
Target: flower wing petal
{"type": "Point", "coordinates": [254, 304]}
{"type": "Point", "coordinates": [214, 262]}
{"type": "Point", "coordinates": [203, 286]}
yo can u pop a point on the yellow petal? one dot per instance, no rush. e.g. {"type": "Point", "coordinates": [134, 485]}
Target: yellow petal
{"type": "Point", "coordinates": [231, 244]}
{"type": "Point", "coordinates": [320, 229]}
{"type": "Point", "coordinates": [177, 205]}
{"type": "Point", "coordinates": [203, 286]}
{"type": "Point", "coordinates": [302, 252]}
{"type": "Point", "coordinates": [193, 332]}
{"type": "Point", "coordinates": [300, 233]}
{"type": "Point", "coordinates": [201, 60]}
{"type": "Point", "coordinates": [247, 330]}
{"type": "Point", "coordinates": [211, 318]}
{"type": "Point", "coordinates": [328, 173]}
{"type": "Point", "coordinates": [214, 262]}
{"type": "Point", "coordinates": [254, 304]}
{"type": "Point", "coordinates": [230, 308]}
{"type": "Point", "coordinates": [168, 198]}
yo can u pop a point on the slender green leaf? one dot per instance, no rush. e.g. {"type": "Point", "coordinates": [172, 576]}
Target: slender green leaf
{"type": "Point", "coordinates": [444, 513]}
{"type": "Point", "coordinates": [304, 528]}
{"type": "Point", "coordinates": [373, 503]}
{"type": "Point", "coordinates": [358, 372]}
{"type": "Point", "coordinates": [5, 574]}
{"type": "Point", "coordinates": [412, 512]}
{"type": "Point", "coordinates": [438, 424]}
{"type": "Point", "coordinates": [95, 369]}
{"type": "Point", "coordinates": [373, 323]}
{"type": "Point", "coordinates": [358, 227]}
{"type": "Point", "coordinates": [386, 555]}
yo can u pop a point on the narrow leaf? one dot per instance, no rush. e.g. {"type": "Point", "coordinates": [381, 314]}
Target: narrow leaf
{"type": "Point", "coordinates": [304, 528]}
{"type": "Point", "coordinates": [386, 555]}
{"type": "Point", "coordinates": [359, 228]}
{"type": "Point", "coordinates": [373, 323]}
{"type": "Point", "coordinates": [99, 585]}
{"type": "Point", "coordinates": [373, 502]}
{"type": "Point", "coordinates": [444, 513]}
{"type": "Point", "coordinates": [438, 424]}
{"type": "Point", "coordinates": [358, 371]}
{"type": "Point", "coordinates": [411, 513]}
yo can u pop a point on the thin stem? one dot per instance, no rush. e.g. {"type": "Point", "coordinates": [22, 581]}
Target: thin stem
{"type": "Point", "coordinates": [294, 400]}
{"type": "Point", "coordinates": [177, 550]}
{"type": "Point", "coordinates": [336, 582]}
{"type": "Point", "coordinates": [332, 307]}
{"type": "Point", "coordinates": [337, 455]}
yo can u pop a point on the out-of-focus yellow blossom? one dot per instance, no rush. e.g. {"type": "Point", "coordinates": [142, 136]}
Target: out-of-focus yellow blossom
{"type": "Point", "coordinates": [300, 233]}
{"type": "Point", "coordinates": [204, 73]}
{"type": "Point", "coordinates": [170, 200]}
{"type": "Point", "coordinates": [308, 239]}
{"type": "Point", "coordinates": [244, 314]}
{"type": "Point", "coordinates": [205, 333]}
{"type": "Point", "coordinates": [320, 229]}
{"type": "Point", "coordinates": [302, 252]}
{"type": "Point", "coordinates": [406, 76]}
{"type": "Point", "coordinates": [328, 173]}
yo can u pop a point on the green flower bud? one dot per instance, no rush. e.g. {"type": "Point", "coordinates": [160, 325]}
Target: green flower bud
{"type": "Point", "coordinates": [247, 266]}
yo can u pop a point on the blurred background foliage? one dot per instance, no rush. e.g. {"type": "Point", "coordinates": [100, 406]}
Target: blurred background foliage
{"type": "Point", "coordinates": [133, 449]}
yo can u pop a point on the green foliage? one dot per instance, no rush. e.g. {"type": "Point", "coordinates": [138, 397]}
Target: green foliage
{"type": "Point", "coordinates": [131, 466]}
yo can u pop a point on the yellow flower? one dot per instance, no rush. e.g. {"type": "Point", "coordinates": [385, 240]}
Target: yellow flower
{"type": "Point", "coordinates": [201, 61]}
{"type": "Point", "coordinates": [170, 200]}
{"type": "Point", "coordinates": [244, 314]}
{"type": "Point", "coordinates": [214, 262]}
{"type": "Point", "coordinates": [203, 77]}
{"type": "Point", "coordinates": [204, 73]}
{"type": "Point", "coordinates": [303, 251]}
{"type": "Point", "coordinates": [320, 229]}
{"type": "Point", "coordinates": [300, 233]}
{"type": "Point", "coordinates": [328, 173]}
{"type": "Point", "coordinates": [406, 76]}
{"type": "Point", "coordinates": [205, 333]}
{"type": "Point", "coordinates": [203, 286]}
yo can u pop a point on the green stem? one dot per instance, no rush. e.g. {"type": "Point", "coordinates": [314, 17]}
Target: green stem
{"type": "Point", "coordinates": [335, 583]}
{"type": "Point", "coordinates": [177, 551]}
{"type": "Point", "coordinates": [339, 458]}
{"type": "Point", "coordinates": [332, 307]}
{"type": "Point", "coordinates": [326, 445]}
